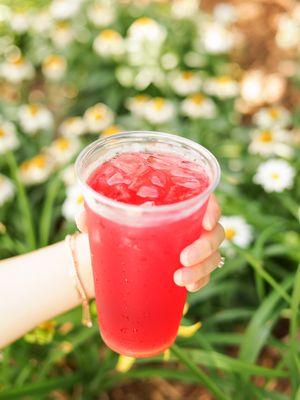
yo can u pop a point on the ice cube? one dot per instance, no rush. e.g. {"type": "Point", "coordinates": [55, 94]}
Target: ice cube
{"type": "Point", "coordinates": [180, 172]}
{"type": "Point", "coordinates": [158, 180]}
{"type": "Point", "coordinates": [117, 178]}
{"type": "Point", "coordinates": [148, 191]}
{"type": "Point", "coordinates": [190, 184]}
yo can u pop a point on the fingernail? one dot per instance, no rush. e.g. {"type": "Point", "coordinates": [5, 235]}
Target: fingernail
{"type": "Point", "coordinates": [208, 223]}
{"type": "Point", "coordinates": [178, 278]}
{"type": "Point", "coordinates": [184, 257]}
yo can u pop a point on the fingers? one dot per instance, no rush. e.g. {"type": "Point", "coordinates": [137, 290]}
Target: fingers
{"type": "Point", "coordinates": [81, 220]}
{"type": "Point", "coordinates": [196, 274]}
{"type": "Point", "coordinates": [203, 247]}
{"type": "Point", "coordinates": [194, 287]}
{"type": "Point", "coordinates": [212, 214]}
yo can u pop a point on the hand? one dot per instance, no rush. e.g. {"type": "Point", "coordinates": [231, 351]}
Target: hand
{"type": "Point", "coordinates": [199, 258]}
{"type": "Point", "coordinates": [202, 257]}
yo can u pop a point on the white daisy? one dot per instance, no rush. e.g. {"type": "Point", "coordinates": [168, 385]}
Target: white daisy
{"type": "Point", "coordinates": [73, 202]}
{"type": "Point", "coordinates": [288, 32]}
{"type": "Point", "coordinates": [237, 231]}
{"type": "Point", "coordinates": [54, 67]}
{"type": "Point", "coordinates": [169, 60]}
{"type": "Point", "coordinates": [145, 29]}
{"type": "Point", "coordinates": [72, 126]}
{"type": "Point", "coordinates": [225, 13]}
{"type": "Point", "coordinates": [216, 38]}
{"type": "Point", "coordinates": [159, 111]}
{"type": "Point", "coordinates": [36, 170]}
{"type": "Point", "coordinates": [198, 106]}
{"type": "Point", "coordinates": [185, 82]}
{"type": "Point", "coordinates": [144, 41]}
{"type": "Point", "coordinates": [221, 86]}
{"type": "Point", "coordinates": [34, 117]}
{"type": "Point", "coordinates": [62, 34]}
{"type": "Point", "coordinates": [185, 8]}
{"type": "Point", "coordinates": [62, 150]}
{"type": "Point", "coordinates": [101, 13]}
{"type": "Point", "coordinates": [7, 189]}
{"type": "Point", "coordinates": [8, 137]}
{"type": "Point", "coordinates": [272, 117]}
{"type": "Point", "coordinates": [275, 175]}
{"type": "Point", "coordinates": [16, 70]}
{"type": "Point", "coordinates": [109, 44]}
{"type": "Point", "coordinates": [19, 22]}
{"type": "Point", "coordinates": [111, 130]}
{"type": "Point", "coordinates": [41, 22]}
{"type": "Point", "coordinates": [68, 175]}
{"type": "Point", "coordinates": [136, 105]}
{"type": "Point", "coordinates": [98, 117]}
{"type": "Point", "coordinates": [64, 9]}
{"type": "Point", "coordinates": [271, 141]}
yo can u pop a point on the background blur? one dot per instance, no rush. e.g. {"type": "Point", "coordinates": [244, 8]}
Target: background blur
{"type": "Point", "coordinates": [223, 74]}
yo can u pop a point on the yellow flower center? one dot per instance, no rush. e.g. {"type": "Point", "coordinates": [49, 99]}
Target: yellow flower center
{"type": "Point", "coordinates": [53, 60]}
{"type": "Point", "coordinates": [144, 21]}
{"type": "Point", "coordinates": [186, 75]}
{"type": "Point", "coordinates": [275, 176]}
{"type": "Point", "coordinates": [111, 130]}
{"type": "Point", "coordinates": [33, 109]}
{"type": "Point", "coordinates": [266, 136]}
{"type": "Point", "coordinates": [2, 132]}
{"type": "Point", "coordinates": [18, 60]}
{"type": "Point", "coordinates": [62, 144]}
{"type": "Point", "coordinates": [62, 25]}
{"type": "Point", "coordinates": [79, 199]}
{"type": "Point", "coordinates": [197, 98]}
{"type": "Point", "coordinates": [230, 233]}
{"type": "Point", "coordinates": [274, 113]}
{"type": "Point", "coordinates": [224, 79]}
{"type": "Point", "coordinates": [109, 34]}
{"type": "Point", "coordinates": [141, 98]}
{"type": "Point", "coordinates": [38, 161]}
{"type": "Point", "coordinates": [158, 103]}
{"type": "Point", "coordinates": [70, 121]}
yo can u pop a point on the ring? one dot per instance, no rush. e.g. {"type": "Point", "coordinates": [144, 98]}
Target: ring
{"type": "Point", "coordinates": [222, 262]}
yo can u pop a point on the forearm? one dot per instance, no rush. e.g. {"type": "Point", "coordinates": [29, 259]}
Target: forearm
{"type": "Point", "coordinates": [37, 286]}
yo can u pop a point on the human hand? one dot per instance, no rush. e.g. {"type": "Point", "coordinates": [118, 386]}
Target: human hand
{"type": "Point", "coordinates": [199, 258]}
{"type": "Point", "coordinates": [202, 257]}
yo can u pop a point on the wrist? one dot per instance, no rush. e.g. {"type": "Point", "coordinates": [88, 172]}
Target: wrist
{"type": "Point", "coordinates": [84, 264]}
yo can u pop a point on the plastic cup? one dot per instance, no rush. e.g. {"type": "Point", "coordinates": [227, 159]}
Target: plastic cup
{"type": "Point", "coordinates": [135, 250]}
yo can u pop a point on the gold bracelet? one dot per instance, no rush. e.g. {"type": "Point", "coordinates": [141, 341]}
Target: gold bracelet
{"type": "Point", "coordinates": [86, 315]}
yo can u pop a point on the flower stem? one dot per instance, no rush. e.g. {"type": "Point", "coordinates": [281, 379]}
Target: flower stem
{"type": "Point", "coordinates": [47, 214]}
{"type": "Point", "coordinates": [23, 202]}
{"type": "Point", "coordinates": [203, 378]}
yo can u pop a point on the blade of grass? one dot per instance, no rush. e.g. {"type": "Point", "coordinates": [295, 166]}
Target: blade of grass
{"type": "Point", "coordinates": [217, 360]}
{"type": "Point", "coordinates": [294, 329]}
{"type": "Point", "coordinates": [57, 353]}
{"type": "Point", "coordinates": [261, 324]}
{"type": "Point", "coordinates": [202, 377]}
{"type": "Point", "coordinates": [23, 202]}
{"type": "Point", "coordinates": [39, 388]}
{"type": "Point", "coordinates": [47, 215]}
{"type": "Point", "coordinates": [258, 267]}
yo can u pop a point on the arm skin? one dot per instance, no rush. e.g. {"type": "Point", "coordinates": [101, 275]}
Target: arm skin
{"type": "Point", "coordinates": [37, 286]}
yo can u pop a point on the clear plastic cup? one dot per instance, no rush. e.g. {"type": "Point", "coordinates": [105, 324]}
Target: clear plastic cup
{"type": "Point", "coordinates": [135, 250]}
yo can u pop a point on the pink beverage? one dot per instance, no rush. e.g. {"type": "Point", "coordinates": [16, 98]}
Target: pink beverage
{"type": "Point", "coordinates": [145, 196]}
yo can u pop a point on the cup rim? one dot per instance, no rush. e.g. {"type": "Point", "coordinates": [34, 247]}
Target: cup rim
{"type": "Point", "coordinates": [164, 208]}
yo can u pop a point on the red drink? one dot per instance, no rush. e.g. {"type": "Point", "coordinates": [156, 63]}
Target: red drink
{"type": "Point", "coordinates": [135, 255]}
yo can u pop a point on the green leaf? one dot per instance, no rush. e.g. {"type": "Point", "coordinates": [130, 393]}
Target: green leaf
{"type": "Point", "coordinates": [40, 388]}
{"type": "Point", "coordinates": [261, 324]}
